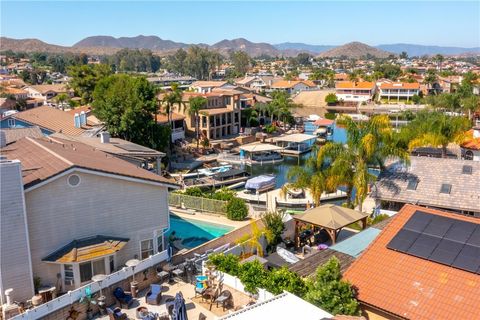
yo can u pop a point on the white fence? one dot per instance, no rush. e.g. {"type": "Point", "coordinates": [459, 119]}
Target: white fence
{"type": "Point", "coordinates": [235, 283]}
{"type": "Point", "coordinates": [73, 296]}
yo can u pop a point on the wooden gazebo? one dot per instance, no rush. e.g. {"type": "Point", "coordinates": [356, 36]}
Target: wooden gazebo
{"type": "Point", "coordinates": [330, 217]}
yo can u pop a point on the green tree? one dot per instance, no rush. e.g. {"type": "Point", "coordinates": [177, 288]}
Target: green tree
{"type": "Point", "coordinates": [84, 78]}
{"type": "Point", "coordinates": [310, 177]}
{"type": "Point", "coordinates": [328, 291]}
{"type": "Point", "coordinates": [430, 78]}
{"type": "Point", "coordinates": [237, 209]}
{"type": "Point", "coordinates": [282, 279]}
{"type": "Point", "coordinates": [470, 105]}
{"type": "Point", "coordinates": [126, 105]}
{"type": "Point", "coordinates": [195, 105]}
{"type": "Point", "coordinates": [274, 227]}
{"type": "Point", "coordinates": [170, 99]}
{"type": "Point", "coordinates": [62, 99]}
{"type": "Point", "coordinates": [282, 105]}
{"type": "Point", "coordinates": [403, 55]}
{"type": "Point", "coordinates": [434, 129]}
{"type": "Point", "coordinates": [241, 62]}
{"type": "Point", "coordinates": [331, 99]}
{"type": "Point", "coordinates": [368, 144]}
{"type": "Point", "coordinates": [253, 276]}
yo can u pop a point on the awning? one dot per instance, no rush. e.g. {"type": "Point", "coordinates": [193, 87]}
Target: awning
{"type": "Point", "coordinates": [259, 182]}
{"type": "Point", "coordinates": [260, 147]}
{"type": "Point", "coordinates": [323, 122]}
{"type": "Point", "coordinates": [87, 249]}
{"type": "Point", "coordinates": [297, 137]}
{"type": "Point", "coordinates": [330, 216]}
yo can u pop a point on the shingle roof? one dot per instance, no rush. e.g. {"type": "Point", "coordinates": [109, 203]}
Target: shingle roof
{"type": "Point", "coordinates": [309, 265]}
{"type": "Point", "coordinates": [208, 83]}
{"type": "Point", "coordinates": [291, 84]}
{"type": "Point", "coordinates": [431, 173]}
{"type": "Point", "coordinates": [14, 134]}
{"type": "Point", "coordinates": [51, 119]}
{"type": "Point", "coordinates": [44, 88]}
{"type": "Point", "coordinates": [412, 287]}
{"type": "Point", "coordinates": [45, 158]}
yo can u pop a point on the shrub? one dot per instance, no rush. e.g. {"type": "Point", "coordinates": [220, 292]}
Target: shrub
{"type": "Point", "coordinates": [253, 276]}
{"type": "Point", "coordinates": [282, 279]}
{"type": "Point", "coordinates": [331, 99]}
{"type": "Point", "coordinates": [223, 194]}
{"type": "Point", "coordinates": [195, 192]}
{"type": "Point", "coordinates": [270, 128]}
{"type": "Point", "coordinates": [330, 116]}
{"type": "Point", "coordinates": [237, 209]}
{"type": "Point", "coordinates": [226, 263]}
{"type": "Point", "coordinates": [274, 227]}
{"type": "Point", "coordinates": [377, 219]}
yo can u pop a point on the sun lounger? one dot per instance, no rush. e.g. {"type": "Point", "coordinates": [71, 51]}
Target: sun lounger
{"type": "Point", "coordinates": [154, 295]}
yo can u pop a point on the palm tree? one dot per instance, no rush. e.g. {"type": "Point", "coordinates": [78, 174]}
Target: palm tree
{"type": "Point", "coordinates": [281, 105]}
{"type": "Point", "coordinates": [430, 78]}
{"type": "Point", "coordinates": [170, 99]}
{"type": "Point", "coordinates": [307, 178]}
{"type": "Point", "coordinates": [195, 105]}
{"type": "Point", "coordinates": [368, 144]}
{"type": "Point", "coordinates": [435, 129]}
{"type": "Point", "coordinates": [252, 239]}
{"type": "Point", "coordinates": [470, 105]}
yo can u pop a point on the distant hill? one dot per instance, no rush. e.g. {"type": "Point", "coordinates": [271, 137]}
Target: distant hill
{"type": "Point", "coordinates": [29, 45]}
{"type": "Point", "coordinates": [354, 50]}
{"type": "Point", "coordinates": [153, 43]}
{"type": "Point", "coordinates": [420, 50]}
{"type": "Point", "coordinates": [313, 48]}
{"type": "Point", "coordinates": [251, 48]}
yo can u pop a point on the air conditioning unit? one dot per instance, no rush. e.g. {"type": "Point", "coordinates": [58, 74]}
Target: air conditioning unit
{"type": "Point", "coordinates": [69, 282]}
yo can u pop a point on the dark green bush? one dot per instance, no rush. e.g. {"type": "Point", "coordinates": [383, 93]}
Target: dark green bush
{"type": "Point", "coordinates": [237, 209]}
{"type": "Point", "coordinates": [226, 263]}
{"type": "Point", "coordinates": [253, 276]}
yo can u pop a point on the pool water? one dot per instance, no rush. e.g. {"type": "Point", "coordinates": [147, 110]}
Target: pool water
{"type": "Point", "coordinates": [194, 232]}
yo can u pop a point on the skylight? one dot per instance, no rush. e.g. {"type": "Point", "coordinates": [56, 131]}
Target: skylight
{"type": "Point", "coordinates": [446, 188]}
{"type": "Point", "coordinates": [412, 184]}
{"type": "Point", "coordinates": [467, 169]}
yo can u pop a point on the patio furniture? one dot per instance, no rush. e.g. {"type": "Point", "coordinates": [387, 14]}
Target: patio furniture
{"type": "Point", "coordinates": [225, 298]}
{"type": "Point", "coordinates": [201, 284]}
{"type": "Point", "coordinates": [162, 275]}
{"type": "Point", "coordinates": [178, 273]}
{"type": "Point", "coordinates": [116, 314]}
{"type": "Point", "coordinates": [141, 312]}
{"type": "Point", "coordinates": [154, 295]}
{"type": "Point", "coordinates": [123, 297]}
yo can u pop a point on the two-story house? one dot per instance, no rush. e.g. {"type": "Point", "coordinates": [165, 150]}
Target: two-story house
{"type": "Point", "coordinates": [69, 212]}
{"type": "Point", "coordinates": [47, 91]}
{"type": "Point", "coordinates": [398, 91]}
{"type": "Point", "coordinates": [358, 91]}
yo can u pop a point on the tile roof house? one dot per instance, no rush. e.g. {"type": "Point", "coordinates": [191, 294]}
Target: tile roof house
{"type": "Point", "coordinates": [449, 184]}
{"type": "Point", "coordinates": [359, 91]}
{"type": "Point", "coordinates": [398, 91]}
{"type": "Point", "coordinates": [69, 212]}
{"type": "Point", "coordinates": [396, 282]}
{"type": "Point", "coordinates": [14, 134]}
{"type": "Point", "coordinates": [471, 146]}
{"type": "Point", "coordinates": [293, 86]}
{"type": "Point", "coordinates": [49, 120]}
{"type": "Point", "coordinates": [47, 91]}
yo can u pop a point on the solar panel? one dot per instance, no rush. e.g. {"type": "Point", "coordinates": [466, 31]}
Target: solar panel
{"type": "Point", "coordinates": [424, 245]}
{"type": "Point", "coordinates": [440, 239]}
{"type": "Point", "coordinates": [418, 221]}
{"type": "Point", "coordinates": [446, 252]}
{"type": "Point", "coordinates": [468, 259]}
{"type": "Point", "coordinates": [438, 226]}
{"type": "Point", "coordinates": [403, 240]}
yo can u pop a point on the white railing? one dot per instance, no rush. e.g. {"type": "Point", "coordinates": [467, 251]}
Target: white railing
{"type": "Point", "coordinates": [235, 283]}
{"type": "Point", "coordinates": [72, 296]}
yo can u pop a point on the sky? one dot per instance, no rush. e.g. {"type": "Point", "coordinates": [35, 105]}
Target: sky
{"type": "Point", "coordinates": [66, 22]}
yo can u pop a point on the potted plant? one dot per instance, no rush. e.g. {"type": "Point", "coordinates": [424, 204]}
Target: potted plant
{"type": "Point", "coordinates": [37, 298]}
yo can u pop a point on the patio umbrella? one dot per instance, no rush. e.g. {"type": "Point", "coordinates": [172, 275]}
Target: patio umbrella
{"type": "Point", "coordinates": [179, 308]}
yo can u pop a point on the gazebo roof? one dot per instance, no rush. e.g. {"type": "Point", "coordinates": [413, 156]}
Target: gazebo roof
{"type": "Point", "coordinates": [331, 216]}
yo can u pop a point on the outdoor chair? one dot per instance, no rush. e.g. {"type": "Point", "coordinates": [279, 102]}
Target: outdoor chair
{"type": "Point", "coordinates": [225, 298]}
{"type": "Point", "coordinates": [162, 275]}
{"type": "Point", "coordinates": [154, 295]}
{"type": "Point", "coordinates": [116, 314]}
{"type": "Point", "coordinates": [123, 297]}
{"type": "Point", "coordinates": [178, 272]}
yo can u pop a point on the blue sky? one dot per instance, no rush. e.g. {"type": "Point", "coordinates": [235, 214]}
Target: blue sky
{"type": "Point", "coordinates": [314, 22]}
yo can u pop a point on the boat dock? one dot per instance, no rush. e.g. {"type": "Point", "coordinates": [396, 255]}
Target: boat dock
{"type": "Point", "coordinates": [295, 144]}
{"type": "Point", "coordinates": [274, 199]}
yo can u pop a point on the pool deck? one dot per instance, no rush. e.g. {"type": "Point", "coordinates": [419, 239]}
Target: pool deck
{"type": "Point", "coordinates": [205, 217]}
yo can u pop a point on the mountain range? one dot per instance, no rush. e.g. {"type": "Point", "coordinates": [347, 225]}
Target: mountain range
{"type": "Point", "coordinates": [109, 45]}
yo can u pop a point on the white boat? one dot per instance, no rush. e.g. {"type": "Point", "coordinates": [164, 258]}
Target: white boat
{"type": "Point", "coordinates": [260, 184]}
{"type": "Point", "coordinates": [212, 171]}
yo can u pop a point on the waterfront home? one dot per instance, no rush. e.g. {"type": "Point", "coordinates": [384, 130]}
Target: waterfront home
{"type": "Point", "coordinates": [471, 146]}
{"type": "Point", "coordinates": [49, 120]}
{"type": "Point", "coordinates": [69, 212]}
{"type": "Point", "coordinates": [293, 86]}
{"type": "Point", "coordinates": [358, 91]}
{"type": "Point", "coordinates": [423, 265]}
{"type": "Point", "coordinates": [398, 91]}
{"type": "Point", "coordinates": [448, 184]}
{"type": "Point", "coordinates": [177, 124]}
{"type": "Point", "coordinates": [207, 86]}
{"type": "Point", "coordinates": [221, 115]}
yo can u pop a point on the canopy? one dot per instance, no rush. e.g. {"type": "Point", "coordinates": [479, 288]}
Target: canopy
{"type": "Point", "coordinates": [259, 182]}
{"type": "Point", "coordinates": [296, 137]}
{"type": "Point", "coordinates": [260, 147]}
{"type": "Point", "coordinates": [331, 216]}
{"type": "Point", "coordinates": [323, 122]}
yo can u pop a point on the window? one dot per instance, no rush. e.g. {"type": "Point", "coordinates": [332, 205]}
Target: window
{"type": "Point", "coordinates": [146, 248]}
{"type": "Point", "coordinates": [111, 262]}
{"type": "Point", "coordinates": [11, 123]}
{"type": "Point", "coordinates": [86, 271]}
{"type": "Point", "coordinates": [91, 268]}
{"type": "Point", "coordinates": [68, 274]}
{"type": "Point", "coordinates": [412, 184]}
{"type": "Point", "coordinates": [468, 155]}
{"type": "Point", "coordinates": [467, 169]}
{"type": "Point", "coordinates": [160, 242]}
{"type": "Point", "coordinates": [446, 188]}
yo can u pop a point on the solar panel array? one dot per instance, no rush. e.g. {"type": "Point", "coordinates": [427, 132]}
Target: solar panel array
{"type": "Point", "coordinates": [448, 241]}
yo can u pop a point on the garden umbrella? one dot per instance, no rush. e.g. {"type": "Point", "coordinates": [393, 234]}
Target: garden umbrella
{"type": "Point", "coordinates": [179, 308]}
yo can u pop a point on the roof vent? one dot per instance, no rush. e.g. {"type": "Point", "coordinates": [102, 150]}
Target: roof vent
{"type": "Point", "coordinates": [83, 118]}
{"type": "Point", "coordinates": [105, 137]}
{"type": "Point", "coordinates": [76, 120]}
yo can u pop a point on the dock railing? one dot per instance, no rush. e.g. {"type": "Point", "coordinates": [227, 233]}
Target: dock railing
{"type": "Point", "coordinates": [197, 203]}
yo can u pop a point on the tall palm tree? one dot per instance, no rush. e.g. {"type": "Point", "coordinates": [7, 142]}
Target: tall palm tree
{"type": "Point", "coordinates": [368, 144]}
{"type": "Point", "coordinates": [435, 129]}
{"type": "Point", "coordinates": [195, 105]}
{"type": "Point", "coordinates": [281, 105]}
{"type": "Point", "coordinates": [308, 178]}
{"type": "Point", "coordinates": [170, 99]}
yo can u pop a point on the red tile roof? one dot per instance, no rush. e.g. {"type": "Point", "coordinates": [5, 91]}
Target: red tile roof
{"type": "Point", "coordinates": [412, 287]}
{"type": "Point", "coordinates": [44, 158]}
{"type": "Point", "coordinates": [355, 85]}
{"type": "Point", "coordinates": [400, 85]}
{"type": "Point", "coordinates": [471, 142]}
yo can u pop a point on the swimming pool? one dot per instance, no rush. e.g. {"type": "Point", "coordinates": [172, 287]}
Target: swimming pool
{"type": "Point", "coordinates": [194, 232]}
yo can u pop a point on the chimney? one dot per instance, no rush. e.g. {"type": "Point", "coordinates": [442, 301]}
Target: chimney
{"type": "Point", "coordinates": [3, 139]}
{"type": "Point", "coordinates": [83, 118]}
{"type": "Point", "coordinates": [76, 120]}
{"type": "Point", "coordinates": [105, 137]}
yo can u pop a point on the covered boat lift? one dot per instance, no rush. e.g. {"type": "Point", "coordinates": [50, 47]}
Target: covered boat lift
{"type": "Point", "coordinates": [260, 153]}
{"type": "Point", "coordinates": [295, 144]}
